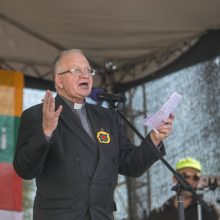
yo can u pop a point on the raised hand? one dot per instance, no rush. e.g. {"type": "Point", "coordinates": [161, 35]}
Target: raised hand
{"type": "Point", "coordinates": [163, 131]}
{"type": "Point", "coordinates": [50, 116]}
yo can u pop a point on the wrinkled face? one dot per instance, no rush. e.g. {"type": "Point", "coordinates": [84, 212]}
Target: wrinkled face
{"type": "Point", "coordinates": [191, 175]}
{"type": "Point", "coordinates": [74, 87]}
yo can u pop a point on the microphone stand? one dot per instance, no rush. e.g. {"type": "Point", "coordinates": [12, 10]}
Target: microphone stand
{"type": "Point", "coordinates": [199, 211]}
{"type": "Point", "coordinates": [180, 204]}
{"type": "Point", "coordinates": [182, 183]}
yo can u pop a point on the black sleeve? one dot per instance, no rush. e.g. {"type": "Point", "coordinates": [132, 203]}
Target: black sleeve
{"type": "Point", "coordinates": [155, 215]}
{"type": "Point", "coordinates": [211, 214]}
{"type": "Point", "coordinates": [134, 161]}
{"type": "Point", "coordinates": [32, 146]}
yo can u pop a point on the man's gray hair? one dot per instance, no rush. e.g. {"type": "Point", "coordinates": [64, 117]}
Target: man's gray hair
{"type": "Point", "coordinates": [60, 56]}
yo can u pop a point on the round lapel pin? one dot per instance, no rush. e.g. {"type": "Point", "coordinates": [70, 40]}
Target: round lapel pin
{"type": "Point", "coordinates": [103, 137]}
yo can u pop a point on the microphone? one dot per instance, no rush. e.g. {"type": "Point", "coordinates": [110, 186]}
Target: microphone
{"type": "Point", "coordinates": [100, 95]}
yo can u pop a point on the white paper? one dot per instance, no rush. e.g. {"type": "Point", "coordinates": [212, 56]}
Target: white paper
{"type": "Point", "coordinates": [169, 106]}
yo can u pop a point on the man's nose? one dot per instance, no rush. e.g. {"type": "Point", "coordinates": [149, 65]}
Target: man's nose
{"type": "Point", "coordinates": [84, 74]}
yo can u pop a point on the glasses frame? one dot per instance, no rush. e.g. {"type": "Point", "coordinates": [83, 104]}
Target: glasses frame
{"type": "Point", "coordinates": [82, 71]}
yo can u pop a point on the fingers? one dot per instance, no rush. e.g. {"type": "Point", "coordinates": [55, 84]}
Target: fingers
{"type": "Point", "coordinates": [171, 116]}
{"type": "Point", "coordinates": [48, 102]}
{"type": "Point", "coordinates": [45, 101]}
{"type": "Point", "coordinates": [167, 127]}
{"type": "Point", "coordinates": [51, 101]}
{"type": "Point", "coordinates": [50, 116]}
{"type": "Point", "coordinates": [58, 111]}
{"type": "Point", "coordinates": [169, 120]}
{"type": "Point", "coordinates": [162, 131]}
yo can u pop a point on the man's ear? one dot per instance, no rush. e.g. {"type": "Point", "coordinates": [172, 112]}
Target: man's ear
{"type": "Point", "coordinates": [58, 81]}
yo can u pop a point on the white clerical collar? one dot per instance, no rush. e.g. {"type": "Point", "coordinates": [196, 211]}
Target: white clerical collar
{"type": "Point", "coordinates": [73, 105]}
{"type": "Point", "coordinates": [77, 105]}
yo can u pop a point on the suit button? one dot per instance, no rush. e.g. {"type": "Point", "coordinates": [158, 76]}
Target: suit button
{"type": "Point", "coordinates": [77, 159]}
{"type": "Point", "coordinates": [113, 160]}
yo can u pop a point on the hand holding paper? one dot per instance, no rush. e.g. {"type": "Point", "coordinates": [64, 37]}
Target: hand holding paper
{"type": "Point", "coordinates": [169, 106]}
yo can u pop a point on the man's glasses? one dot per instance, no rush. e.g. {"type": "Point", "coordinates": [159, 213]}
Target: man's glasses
{"type": "Point", "coordinates": [194, 177]}
{"type": "Point", "coordinates": [79, 71]}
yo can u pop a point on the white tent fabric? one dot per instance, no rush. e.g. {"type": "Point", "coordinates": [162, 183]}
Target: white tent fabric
{"type": "Point", "coordinates": [124, 32]}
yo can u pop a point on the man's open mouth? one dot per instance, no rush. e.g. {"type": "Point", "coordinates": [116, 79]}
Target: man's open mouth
{"type": "Point", "coordinates": [84, 85]}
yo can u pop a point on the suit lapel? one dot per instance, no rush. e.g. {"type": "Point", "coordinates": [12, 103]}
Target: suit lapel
{"type": "Point", "coordinates": [92, 118]}
{"type": "Point", "coordinates": [95, 120]}
{"type": "Point", "coordinates": [99, 123]}
{"type": "Point", "coordinates": [74, 124]}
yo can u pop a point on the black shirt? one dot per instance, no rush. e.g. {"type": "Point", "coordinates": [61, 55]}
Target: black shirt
{"type": "Point", "coordinates": [169, 212]}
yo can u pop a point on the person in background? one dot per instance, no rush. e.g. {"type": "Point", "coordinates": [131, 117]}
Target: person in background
{"type": "Point", "coordinates": [191, 170]}
{"type": "Point", "coordinates": [75, 150]}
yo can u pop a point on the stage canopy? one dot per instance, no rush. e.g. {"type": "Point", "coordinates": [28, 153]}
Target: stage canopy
{"type": "Point", "coordinates": [128, 42]}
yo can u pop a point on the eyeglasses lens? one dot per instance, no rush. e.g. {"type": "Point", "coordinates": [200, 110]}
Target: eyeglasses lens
{"type": "Point", "coordinates": [193, 177]}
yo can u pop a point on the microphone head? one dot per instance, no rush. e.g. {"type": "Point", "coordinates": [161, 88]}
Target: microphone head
{"type": "Point", "coordinates": [99, 95]}
{"type": "Point", "coordinates": [94, 95]}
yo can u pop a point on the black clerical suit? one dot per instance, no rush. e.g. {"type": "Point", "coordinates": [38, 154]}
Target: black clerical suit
{"type": "Point", "coordinates": [75, 175]}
